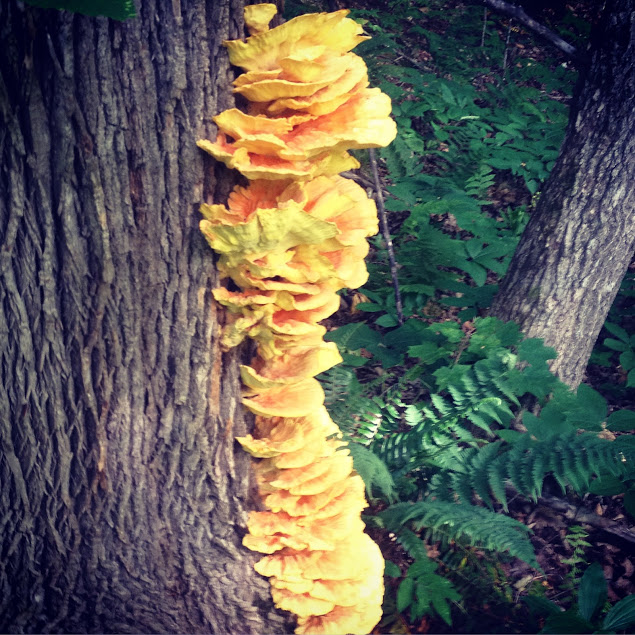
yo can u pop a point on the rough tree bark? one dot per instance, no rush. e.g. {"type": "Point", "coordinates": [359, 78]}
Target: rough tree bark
{"type": "Point", "coordinates": [580, 240]}
{"type": "Point", "coordinates": [123, 495]}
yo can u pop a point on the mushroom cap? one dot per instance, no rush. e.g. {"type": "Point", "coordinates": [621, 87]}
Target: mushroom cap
{"type": "Point", "coordinates": [258, 16]}
{"type": "Point", "coordinates": [311, 34]}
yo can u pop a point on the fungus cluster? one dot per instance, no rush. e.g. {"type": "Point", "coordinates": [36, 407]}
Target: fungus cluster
{"type": "Point", "coordinates": [289, 241]}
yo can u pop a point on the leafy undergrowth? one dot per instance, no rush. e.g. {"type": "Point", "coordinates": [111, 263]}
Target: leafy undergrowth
{"type": "Point", "coordinates": [489, 480]}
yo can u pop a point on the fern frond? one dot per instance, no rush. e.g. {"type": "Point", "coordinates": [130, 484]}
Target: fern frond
{"type": "Point", "coordinates": [479, 396]}
{"type": "Point", "coordinates": [496, 475]}
{"type": "Point", "coordinates": [373, 471]}
{"type": "Point", "coordinates": [477, 525]}
{"type": "Point", "coordinates": [572, 459]}
{"type": "Point", "coordinates": [415, 547]}
{"type": "Point", "coordinates": [357, 416]}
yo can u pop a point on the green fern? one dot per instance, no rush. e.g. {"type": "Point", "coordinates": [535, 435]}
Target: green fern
{"type": "Point", "coordinates": [458, 443]}
{"type": "Point", "coordinates": [572, 459]}
{"type": "Point", "coordinates": [477, 525]}
{"type": "Point", "coordinates": [357, 415]}
{"type": "Point", "coordinates": [373, 471]}
{"type": "Point", "coordinates": [479, 397]}
{"type": "Point", "coordinates": [423, 590]}
{"type": "Point", "coordinates": [576, 540]}
{"type": "Point", "coordinates": [411, 542]}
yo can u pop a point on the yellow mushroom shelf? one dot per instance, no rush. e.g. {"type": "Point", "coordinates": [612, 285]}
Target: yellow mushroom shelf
{"type": "Point", "coordinates": [289, 241]}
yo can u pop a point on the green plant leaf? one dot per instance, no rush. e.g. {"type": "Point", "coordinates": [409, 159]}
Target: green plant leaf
{"type": "Point", "coordinates": [545, 426]}
{"type": "Point", "coordinates": [535, 352]}
{"type": "Point", "coordinates": [607, 485]}
{"type": "Point", "coordinates": [621, 616]}
{"type": "Point", "coordinates": [627, 359]}
{"type": "Point", "coordinates": [373, 471]}
{"type": "Point", "coordinates": [415, 547]}
{"type": "Point", "coordinates": [476, 271]}
{"type": "Point", "coordinates": [427, 352]}
{"type": "Point", "coordinates": [392, 570]}
{"type": "Point", "coordinates": [541, 606]}
{"type": "Point", "coordinates": [621, 420]}
{"type": "Point", "coordinates": [354, 336]}
{"type": "Point", "coordinates": [440, 592]}
{"type": "Point", "coordinates": [492, 334]}
{"type": "Point", "coordinates": [405, 593]}
{"type": "Point", "coordinates": [359, 335]}
{"type": "Point", "coordinates": [387, 321]}
{"type": "Point", "coordinates": [477, 524]}
{"type": "Point", "coordinates": [369, 307]}
{"type": "Point", "coordinates": [116, 9]}
{"type": "Point", "coordinates": [591, 408]}
{"type": "Point", "coordinates": [618, 331]}
{"type": "Point", "coordinates": [615, 345]}
{"type": "Point", "coordinates": [355, 360]}
{"type": "Point", "coordinates": [592, 592]}
{"type": "Point", "coordinates": [567, 622]}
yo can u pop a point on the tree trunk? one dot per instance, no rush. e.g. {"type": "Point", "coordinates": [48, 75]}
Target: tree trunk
{"type": "Point", "coordinates": [580, 240]}
{"type": "Point", "coordinates": [123, 495]}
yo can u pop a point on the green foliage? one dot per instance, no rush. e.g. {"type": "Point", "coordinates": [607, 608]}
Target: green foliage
{"type": "Point", "coordinates": [608, 484]}
{"type": "Point", "coordinates": [624, 344]}
{"type": "Point", "coordinates": [357, 412]}
{"type": "Point", "coordinates": [358, 335]}
{"type": "Point", "coordinates": [619, 321]}
{"type": "Point", "coordinates": [618, 349]}
{"type": "Point", "coordinates": [621, 616]}
{"type": "Point", "coordinates": [571, 459]}
{"type": "Point", "coordinates": [585, 616]}
{"type": "Point", "coordinates": [592, 593]}
{"type": "Point", "coordinates": [456, 454]}
{"type": "Point", "coordinates": [462, 130]}
{"type": "Point", "coordinates": [373, 471]}
{"type": "Point", "coordinates": [116, 9]}
{"type": "Point", "coordinates": [477, 526]}
{"type": "Point", "coordinates": [576, 538]}
{"type": "Point", "coordinates": [422, 590]}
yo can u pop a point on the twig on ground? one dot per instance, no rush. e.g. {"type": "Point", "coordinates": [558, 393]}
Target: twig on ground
{"type": "Point", "coordinates": [381, 210]}
{"type": "Point", "coordinates": [413, 61]}
{"type": "Point", "coordinates": [519, 14]}
{"type": "Point", "coordinates": [578, 514]}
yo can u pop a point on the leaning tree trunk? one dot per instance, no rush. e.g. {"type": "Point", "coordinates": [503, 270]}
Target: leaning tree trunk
{"type": "Point", "coordinates": [576, 248]}
{"type": "Point", "coordinates": [123, 495]}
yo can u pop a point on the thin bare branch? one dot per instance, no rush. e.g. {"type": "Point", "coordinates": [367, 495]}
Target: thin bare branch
{"type": "Point", "coordinates": [381, 211]}
{"type": "Point", "coordinates": [518, 13]}
{"type": "Point", "coordinates": [578, 514]}
{"type": "Point", "coordinates": [484, 27]}
{"type": "Point", "coordinates": [506, 54]}
{"type": "Point", "coordinates": [359, 178]}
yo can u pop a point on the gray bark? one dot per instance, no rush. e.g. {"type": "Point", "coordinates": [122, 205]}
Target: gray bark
{"type": "Point", "coordinates": [123, 494]}
{"type": "Point", "coordinates": [579, 241]}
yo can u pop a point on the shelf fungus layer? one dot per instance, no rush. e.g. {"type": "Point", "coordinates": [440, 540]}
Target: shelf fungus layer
{"type": "Point", "coordinates": [289, 240]}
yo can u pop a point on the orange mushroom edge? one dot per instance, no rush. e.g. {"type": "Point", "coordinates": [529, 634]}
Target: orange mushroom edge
{"type": "Point", "coordinates": [289, 240]}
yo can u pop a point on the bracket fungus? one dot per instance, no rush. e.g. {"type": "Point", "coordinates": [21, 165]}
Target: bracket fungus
{"type": "Point", "coordinates": [289, 241]}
